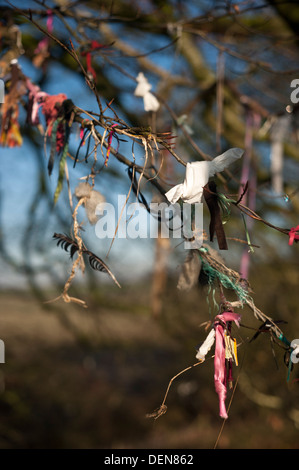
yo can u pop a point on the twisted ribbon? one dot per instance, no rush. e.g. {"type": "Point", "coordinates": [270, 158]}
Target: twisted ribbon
{"type": "Point", "coordinates": [110, 136]}
{"type": "Point", "coordinates": [220, 326]}
{"type": "Point", "coordinates": [94, 45]}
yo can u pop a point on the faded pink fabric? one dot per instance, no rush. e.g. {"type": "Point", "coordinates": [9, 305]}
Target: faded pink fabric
{"type": "Point", "coordinates": [36, 99]}
{"type": "Point", "coordinates": [219, 360]}
{"type": "Point", "coordinates": [44, 43]}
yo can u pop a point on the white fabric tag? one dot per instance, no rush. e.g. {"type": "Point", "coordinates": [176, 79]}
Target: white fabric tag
{"type": "Point", "coordinates": [198, 174]}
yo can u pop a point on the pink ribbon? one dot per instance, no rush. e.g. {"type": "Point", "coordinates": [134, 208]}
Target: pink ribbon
{"type": "Point", "coordinates": [219, 360]}
{"type": "Point", "coordinates": [292, 235]}
{"type": "Point", "coordinates": [44, 43]}
{"type": "Point", "coordinates": [36, 99]}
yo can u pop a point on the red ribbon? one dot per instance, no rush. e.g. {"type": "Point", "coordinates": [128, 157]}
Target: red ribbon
{"type": "Point", "coordinates": [109, 146]}
{"type": "Point", "coordinates": [93, 47]}
{"type": "Point", "coordinates": [110, 136]}
{"type": "Point", "coordinates": [293, 235]}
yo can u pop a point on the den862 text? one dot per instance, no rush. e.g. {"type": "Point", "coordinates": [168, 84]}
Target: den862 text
{"type": "Point", "coordinates": [175, 459]}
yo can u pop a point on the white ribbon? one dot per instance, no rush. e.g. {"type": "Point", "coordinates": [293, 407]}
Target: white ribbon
{"type": "Point", "coordinates": [198, 174]}
{"type": "Point", "coordinates": [143, 90]}
{"type": "Point", "coordinates": [206, 346]}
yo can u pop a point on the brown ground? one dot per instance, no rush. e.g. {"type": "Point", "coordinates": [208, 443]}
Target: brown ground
{"type": "Point", "coordinates": [86, 378]}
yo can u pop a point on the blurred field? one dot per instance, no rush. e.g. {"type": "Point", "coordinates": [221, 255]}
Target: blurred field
{"type": "Point", "coordinates": [86, 378]}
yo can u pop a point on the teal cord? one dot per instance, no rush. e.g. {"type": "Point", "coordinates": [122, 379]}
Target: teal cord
{"type": "Point", "coordinates": [226, 282]}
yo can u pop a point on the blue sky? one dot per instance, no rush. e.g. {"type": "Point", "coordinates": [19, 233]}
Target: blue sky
{"type": "Point", "coordinates": [19, 171]}
{"type": "Point", "coordinates": [19, 177]}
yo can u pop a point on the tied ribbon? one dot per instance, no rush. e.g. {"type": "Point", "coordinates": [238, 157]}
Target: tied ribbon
{"type": "Point", "coordinates": [110, 136]}
{"type": "Point", "coordinates": [220, 326]}
{"type": "Point", "coordinates": [293, 236]}
{"type": "Point", "coordinates": [50, 108]}
{"type": "Point", "coordinates": [41, 52]}
{"type": "Point", "coordinates": [94, 45]}
{"type": "Point", "coordinates": [143, 90]}
{"type": "Point", "coordinates": [198, 174]}
{"type": "Point", "coordinates": [36, 99]}
{"type": "Point", "coordinates": [84, 134]}
{"type": "Point", "coordinates": [44, 43]}
{"type": "Point", "coordinates": [211, 198]}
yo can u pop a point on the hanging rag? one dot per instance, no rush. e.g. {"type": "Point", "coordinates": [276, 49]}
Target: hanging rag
{"type": "Point", "coordinates": [216, 225]}
{"type": "Point", "coordinates": [143, 90]}
{"type": "Point", "coordinates": [198, 174]}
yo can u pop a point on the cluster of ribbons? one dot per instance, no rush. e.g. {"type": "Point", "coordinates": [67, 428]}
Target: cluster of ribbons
{"type": "Point", "coordinates": [197, 184]}
{"type": "Point", "coordinates": [226, 352]}
{"type": "Point", "coordinates": [59, 114]}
